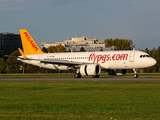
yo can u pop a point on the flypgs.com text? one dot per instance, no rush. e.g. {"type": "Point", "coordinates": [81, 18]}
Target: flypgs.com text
{"type": "Point", "coordinates": [106, 57]}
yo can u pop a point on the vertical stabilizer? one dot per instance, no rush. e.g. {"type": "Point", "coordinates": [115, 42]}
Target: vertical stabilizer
{"type": "Point", "coordinates": [29, 45]}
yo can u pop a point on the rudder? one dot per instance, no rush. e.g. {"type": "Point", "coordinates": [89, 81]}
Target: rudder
{"type": "Point", "coordinates": [29, 45]}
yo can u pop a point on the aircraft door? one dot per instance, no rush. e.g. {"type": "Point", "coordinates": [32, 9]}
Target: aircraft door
{"type": "Point", "coordinates": [40, 57]}
{"type": "Point", "coordinates": [131, 57]}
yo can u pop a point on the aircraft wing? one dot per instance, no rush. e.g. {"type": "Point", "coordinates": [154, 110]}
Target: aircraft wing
{"type": "Point", "coordinates": [50, 61]}
{"type": "Point", "coordinates": [59, 62]}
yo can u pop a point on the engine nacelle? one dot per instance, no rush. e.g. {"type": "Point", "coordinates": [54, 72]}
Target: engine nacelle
{"type": "Point", "coordinates": [117, 72]}
{"type": "Point", "coordinates": [90, 69]}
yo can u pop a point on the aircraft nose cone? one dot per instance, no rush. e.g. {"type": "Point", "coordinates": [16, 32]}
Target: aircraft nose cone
{"type": "Point", "coordinates": [153, 62]}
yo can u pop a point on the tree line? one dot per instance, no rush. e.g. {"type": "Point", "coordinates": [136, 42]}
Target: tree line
{"type": "Point", "coordinates": [12, 65]}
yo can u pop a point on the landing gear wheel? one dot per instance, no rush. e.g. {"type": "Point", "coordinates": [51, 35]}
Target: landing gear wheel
{"type": "Point", "coordinates": [95, 76]}
{"type": "Point", "coordinates": [135, 75]}
{"type": "Point", "coordinates": [77, 75]}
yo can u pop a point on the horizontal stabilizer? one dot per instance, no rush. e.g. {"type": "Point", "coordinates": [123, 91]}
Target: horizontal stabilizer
{"type": "Point", "coordinates": [16, 57]}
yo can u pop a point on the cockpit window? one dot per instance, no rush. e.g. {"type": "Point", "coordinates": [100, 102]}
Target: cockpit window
{"type": "Point", "coordinates": [142, 56]}
{"type": "Point", "coordinates": [147, 55]}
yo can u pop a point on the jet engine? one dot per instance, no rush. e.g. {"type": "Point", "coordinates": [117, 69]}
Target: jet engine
{"type": "Point", "coordinates": [117, 72]}
{"type": "Point", "coordinates": [90, 69]}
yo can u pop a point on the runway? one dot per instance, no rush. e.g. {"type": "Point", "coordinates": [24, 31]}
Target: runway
{"type": "Point", "coordinates": [85, 79]}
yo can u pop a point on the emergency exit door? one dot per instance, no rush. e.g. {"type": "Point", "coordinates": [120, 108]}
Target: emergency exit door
{"type": "Point", "coordinates": [131, 57]}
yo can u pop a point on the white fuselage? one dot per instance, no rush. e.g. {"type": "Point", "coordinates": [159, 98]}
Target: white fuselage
{"type": "Point", "coordinates": [106, 59]}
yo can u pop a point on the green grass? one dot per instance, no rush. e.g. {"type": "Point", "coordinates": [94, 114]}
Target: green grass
{"type": "Point", "coordinates": [68, 75]}
{"type": "Point", "coordinates": [79, 100]}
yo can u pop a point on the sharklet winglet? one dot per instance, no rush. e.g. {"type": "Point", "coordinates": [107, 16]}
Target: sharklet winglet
{"type": "Point", "coordinates": [24, 56]}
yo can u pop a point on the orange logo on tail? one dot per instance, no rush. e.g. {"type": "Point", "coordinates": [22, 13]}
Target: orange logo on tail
{"type": "Point", "coordinates": [31, 41]}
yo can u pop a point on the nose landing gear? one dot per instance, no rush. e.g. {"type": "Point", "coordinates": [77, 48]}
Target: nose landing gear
{"type": "Point", "coordinates": [135, 73]}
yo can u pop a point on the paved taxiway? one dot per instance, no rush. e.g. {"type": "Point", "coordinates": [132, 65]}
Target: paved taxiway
{"type": "Point", "coordinates": [85, 79]}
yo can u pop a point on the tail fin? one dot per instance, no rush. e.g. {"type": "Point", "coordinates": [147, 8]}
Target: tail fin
{"type": "Point", "coordinates": [29, 45]}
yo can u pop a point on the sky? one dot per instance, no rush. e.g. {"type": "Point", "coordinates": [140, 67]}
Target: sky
{"type": "Point", "coordinates": [52, 21]}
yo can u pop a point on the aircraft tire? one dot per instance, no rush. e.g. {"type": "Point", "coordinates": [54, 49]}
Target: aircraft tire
{"type": "Point", "coordinates": [77, 75]}
{"type": "Point", "coordinates": [95, 76]}
{"type": "Point", "coordinates": [135, 75]}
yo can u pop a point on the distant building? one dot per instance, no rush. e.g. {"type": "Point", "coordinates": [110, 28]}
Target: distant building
{"type": "Point", "coordinates": [51, 44]}
{"type": "Point", "coordinates": [77, 42]}
{"type": "Point", "coordinates": [84, 41]}
{"type": "Point", "coordinates": [9, 42]}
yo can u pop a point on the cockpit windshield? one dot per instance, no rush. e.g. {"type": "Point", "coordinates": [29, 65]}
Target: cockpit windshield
{"type": "Point", "coordinates": [142, 56]}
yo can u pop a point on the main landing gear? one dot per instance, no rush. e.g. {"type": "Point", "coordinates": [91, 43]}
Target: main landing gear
{"type": "Point", "coordinates": [135, 73]}
{"type": "Point", "coordinates": [77, 74]}
{"type": "Point", "coordinates": [95, 76]}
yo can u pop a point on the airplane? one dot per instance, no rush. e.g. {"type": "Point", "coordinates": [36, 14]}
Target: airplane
{"type": "Point", "coordinates": [84, 63]}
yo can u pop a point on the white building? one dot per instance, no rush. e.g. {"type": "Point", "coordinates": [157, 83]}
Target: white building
{"type": "Point", "coordinates": [77, 42]}
{"type": "Point", "coordinates": [51, 44]}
